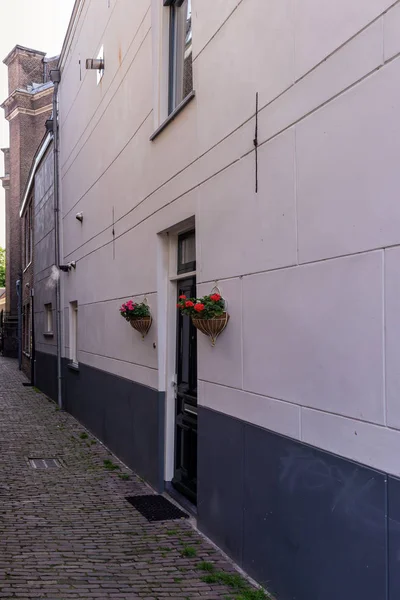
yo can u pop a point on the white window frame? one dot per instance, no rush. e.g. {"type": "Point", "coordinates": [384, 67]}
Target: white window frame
{"type": "Point", "coordinates": [100, 72]}
{"type": "Point", "coordinates": [73, 332]}
{"type": "Point", "coordinates": [48, 318]}
{"type": "Point", "coordinates": [28, 235]}
{"type": "Point", "coordinates": [175, 55]}
{"type": "Point", "coordinates": [167, 283]}
{"type": "Point", "coordinates": [26, 329]}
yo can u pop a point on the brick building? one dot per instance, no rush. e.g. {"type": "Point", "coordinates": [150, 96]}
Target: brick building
{"type": "Point", "coordinates": [27, 108]}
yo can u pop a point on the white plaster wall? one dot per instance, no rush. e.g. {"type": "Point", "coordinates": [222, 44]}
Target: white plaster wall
{"type": "Point", "coordinates": [311, 350]}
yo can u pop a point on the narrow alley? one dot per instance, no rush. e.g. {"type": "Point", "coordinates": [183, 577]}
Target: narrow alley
{"type": "Point", "coordinates": [68, 532]}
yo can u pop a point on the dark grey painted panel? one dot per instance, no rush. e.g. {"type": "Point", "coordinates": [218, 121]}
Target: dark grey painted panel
{"type": "Point", "coordinates": [394, 537]}
{"type": "Point", "coordinates": [314, 525]}
{"type": "Point", "coordinates": [220, 480]}
{"type": "Point", "coordinates": [46, 374]}
{"type": "Point", "coordinates": [126, 416]}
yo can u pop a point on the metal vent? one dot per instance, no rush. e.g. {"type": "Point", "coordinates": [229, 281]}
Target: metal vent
{"type": "Point", "coordinates": [44, 463]}
{"type": "Point", "coordinates": [156, 508]}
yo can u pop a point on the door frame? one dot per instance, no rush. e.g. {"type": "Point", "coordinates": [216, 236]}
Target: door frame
{"type": "Point", "coordinates": [167, 321]}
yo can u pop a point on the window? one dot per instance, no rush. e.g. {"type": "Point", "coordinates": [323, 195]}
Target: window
{"type": "Point", "coordinates": [48, 318]}
{"type": "Point", "coordinates": [26, 329]}
{"type": "Point", "coordinates": [100, 72]}
{"type": "Point", "coordinates": [186, 252]}
{"type": "Point", "coordinates": [28, 234]}
{"type": "Point", "coordinates": [180, 75]}
{"type": "Point", "coordinates": [73, 332]}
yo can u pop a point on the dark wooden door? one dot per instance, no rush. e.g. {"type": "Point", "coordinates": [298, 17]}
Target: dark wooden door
{"type": "Point", "coordinates": [185, 477]}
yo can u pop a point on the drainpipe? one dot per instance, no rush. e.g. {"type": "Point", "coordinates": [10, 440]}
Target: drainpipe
{"type": "Point", "coordinates": [33, 350]}
{"type": "Point", "coordinates": [55, 76]}
{"type": "Point", "coordinates": [19, 327]}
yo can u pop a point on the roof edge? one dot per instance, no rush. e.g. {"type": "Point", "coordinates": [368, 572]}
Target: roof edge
{"type": "Point", "coordinates": [10, 55]}
{"type": "Point", "coordinates": [40, 152]}
{"type": "Point", "coordinates": [73, 22]}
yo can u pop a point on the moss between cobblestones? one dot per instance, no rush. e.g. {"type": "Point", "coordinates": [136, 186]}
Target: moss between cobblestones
{"type": "Point", "coordinates": [188, 552]}
{"type": "Point", "coordinates": [110, 466]}
{"type": "Point", "coordinates": [240, 587]}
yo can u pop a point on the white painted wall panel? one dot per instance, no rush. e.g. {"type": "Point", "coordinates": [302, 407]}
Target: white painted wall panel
{"type": "Point", "coordinates": [275, 415]}
{"type": "Point", "coordinates": [347, 172]}
{"type": "Point", "coordinates": [392, 301]}
{"type": "Point", "coordinates": [223, 363]}
{"type": "Point", "coordinates": [313, 335]}
{"type": "Point", "coordinates": [349, 64]}
{"type": "Point", "coordinates": [322, 26]}
{"type": "Point", "coordinates": [106, 333]}
{"type": "Point", "coordinates": [228, 77]}
{"type": "Point", "coordinates": [366, 443]}
{"type": "Point", "coordinates": [391, 32]}
{"type": "Point", "coordinates": [243, 231]}
{"type": "Point", "coordinates": [128, 370]}
{"type": "Point", "coordinates": [208, 17]}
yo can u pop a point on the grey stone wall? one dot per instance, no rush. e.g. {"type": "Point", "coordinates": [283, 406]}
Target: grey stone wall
{"type": "Point", "coordinates": [44, 253]}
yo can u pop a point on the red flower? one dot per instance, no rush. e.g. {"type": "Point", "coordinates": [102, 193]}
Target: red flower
{"type": "Point", "coordinates": [189, 304]}
{"type": "Point", "coordinates": [179, 305]}
{"type": "Point", "coordinates": [199, 307]}
{"type": "Point", "coordinates": [215, 297]}
{"type": "Point", "coordinates": [183, 297]}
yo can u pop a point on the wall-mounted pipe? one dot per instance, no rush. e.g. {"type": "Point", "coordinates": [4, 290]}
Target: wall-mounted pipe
{"type": "Point", "coordinates": [55, 77]}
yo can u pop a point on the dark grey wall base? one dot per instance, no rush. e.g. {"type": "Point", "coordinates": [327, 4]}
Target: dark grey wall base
{"type": "Point", "coordinates": [307, 524]}
{"type": "Point", "coordinates": [46, 374]}
{"type": "Point", "coordinates": [126, 416]}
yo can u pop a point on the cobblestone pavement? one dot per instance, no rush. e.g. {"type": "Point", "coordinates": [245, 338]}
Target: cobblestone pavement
{"type": "Point", "coordinates": [69, 533]}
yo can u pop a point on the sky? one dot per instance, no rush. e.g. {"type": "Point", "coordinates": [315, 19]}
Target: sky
{"type": "Point", "coordinates": [38, 24]}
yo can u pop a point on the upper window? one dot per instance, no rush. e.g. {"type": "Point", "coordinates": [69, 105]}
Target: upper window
{"type": "Point", "coordinates": [73, 332]}
{"type": "Point", "coordinates": [28, 234]}
{"type": "Point", "coordinates": [26, 329]}
{"type": "Point", "coordinates": [48, 318]}
{"type": "Point", "coordinates": [180, 78]}
{"type": "Point", "coordinates": [186, 252]}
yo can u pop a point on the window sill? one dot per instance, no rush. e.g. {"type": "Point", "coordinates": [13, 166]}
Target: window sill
{"type": "Point", "coordinates": [48, 334]}
{"type": "Point", "coordinates": [173, 115]}
{"type": "Point", "coordinates": [73, 366]}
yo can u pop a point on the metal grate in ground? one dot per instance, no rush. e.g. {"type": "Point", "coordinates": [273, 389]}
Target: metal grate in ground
{"type": "Point", "coordinates": [156, 508]}
{"type": "Point", "coordinates": [44, 463]}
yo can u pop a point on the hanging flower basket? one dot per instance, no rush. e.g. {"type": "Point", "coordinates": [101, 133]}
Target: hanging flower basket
{"type": "Point", "coordinates": [138, 315]}
{"type": "Point", "coordinates": [141, 324]}
{"type": "Point", "coordinates": [208, 314]}
{"type": "Point", "coordinates": [211, 327]}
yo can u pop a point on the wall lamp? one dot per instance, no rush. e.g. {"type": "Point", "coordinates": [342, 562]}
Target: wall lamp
{"type": "Point", "coordinates": [97, 64]}
{"type": "Point", "coordinates": [68, 267]}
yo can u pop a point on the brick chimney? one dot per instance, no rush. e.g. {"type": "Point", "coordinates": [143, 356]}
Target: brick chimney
{"type": "Point", "coordinates": [27, 108]}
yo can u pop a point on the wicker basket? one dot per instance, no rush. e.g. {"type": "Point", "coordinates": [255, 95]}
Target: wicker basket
{"type": "Point", "coordinates": [212, 327]}
{"type": "Point", "coordinates": [141, 324]}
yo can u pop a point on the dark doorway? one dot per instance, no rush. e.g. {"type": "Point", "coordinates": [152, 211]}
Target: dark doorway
{"type": "Point", "coordinates": [185, 473]}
